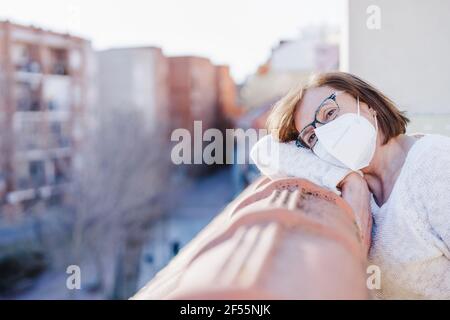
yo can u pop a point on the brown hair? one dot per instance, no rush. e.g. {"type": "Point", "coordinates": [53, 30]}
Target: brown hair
{"type": "Point", "coordinates": [391, 121]}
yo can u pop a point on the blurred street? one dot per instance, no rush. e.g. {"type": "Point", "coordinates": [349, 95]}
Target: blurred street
{"type": "Point", "coordinates": [198, 202]}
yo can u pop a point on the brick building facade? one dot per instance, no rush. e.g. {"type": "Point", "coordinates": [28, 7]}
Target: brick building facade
{"type": "Point", "coordinates": [43, 95]}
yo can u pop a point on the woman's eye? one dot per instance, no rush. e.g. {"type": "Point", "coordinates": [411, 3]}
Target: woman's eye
{"type": "Point", "coordinates": [312, 138]}
{"type": "Point", "coordinates": [330, 113]}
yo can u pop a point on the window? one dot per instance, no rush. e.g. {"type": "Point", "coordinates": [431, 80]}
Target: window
{"type": "Point", "coordinates": [37, 173]}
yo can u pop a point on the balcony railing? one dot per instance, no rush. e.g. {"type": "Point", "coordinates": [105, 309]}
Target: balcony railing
{"type": "Point", "coordinates": [281, 239]}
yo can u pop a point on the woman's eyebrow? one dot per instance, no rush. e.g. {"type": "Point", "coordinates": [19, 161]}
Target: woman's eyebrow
{"type": "Point", "coordinates": [325, 100]}
{"type": "Point", "coordinates": [317, 111]}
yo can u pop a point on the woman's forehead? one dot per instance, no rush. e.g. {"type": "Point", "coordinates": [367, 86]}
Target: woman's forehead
{"type": "Point", "coordinates": [312, 98]}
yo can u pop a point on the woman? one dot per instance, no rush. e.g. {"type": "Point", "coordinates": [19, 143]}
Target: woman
{"type": "Point", "coordinates": [404, 180]}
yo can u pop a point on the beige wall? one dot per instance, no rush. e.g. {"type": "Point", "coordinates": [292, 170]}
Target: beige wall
{"type": "Point", "coordinates": [408, 57]}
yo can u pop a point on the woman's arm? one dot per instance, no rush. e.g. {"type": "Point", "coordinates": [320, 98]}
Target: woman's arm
{"type": "Point", "coordinates": [356, 192]}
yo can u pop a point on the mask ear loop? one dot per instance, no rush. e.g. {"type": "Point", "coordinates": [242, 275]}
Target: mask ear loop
{"type": "Point", "coordinates": [376, 121]}
{"type": "Point", "coordinates": [359, 109]}
{"type": "Point", "coordinates": [375, 114]}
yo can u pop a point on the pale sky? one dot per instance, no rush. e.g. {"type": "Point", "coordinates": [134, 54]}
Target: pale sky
{"type": "Point", "coordinates": [239, 33]}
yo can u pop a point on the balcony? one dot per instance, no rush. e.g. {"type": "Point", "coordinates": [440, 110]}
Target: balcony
{"type": "Point", "coordinates": [282, 239]}
{"type": "Point", "coordinates": [40, 178]}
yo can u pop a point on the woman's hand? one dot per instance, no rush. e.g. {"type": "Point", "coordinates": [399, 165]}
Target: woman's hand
{"type": "Point", "coordinates": [356, 192]}
{"type": "Point", "coordinates": [353, 179]}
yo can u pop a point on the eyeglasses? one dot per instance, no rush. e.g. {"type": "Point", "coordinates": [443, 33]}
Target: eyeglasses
{"type": "Point", "coordinates": [327, 111]}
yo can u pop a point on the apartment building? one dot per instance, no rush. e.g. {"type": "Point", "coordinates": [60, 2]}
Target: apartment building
{"type": "Point", "coordinates": [193, 92]}
{"type": "Point", "coordinates": [291, 62]}
{"type": "Point", "coordinates": [172, 92]}
{"type": "Point", "coordinates": [135, 78]}
{"type": "Point", "coordinates": [316, 49]}
{"type": "Point", "coordinates": [200, 91]}
{"type": "Point", "coordinates": [229, 105]}
{"type": "Point", "coordinates": [43, 95]}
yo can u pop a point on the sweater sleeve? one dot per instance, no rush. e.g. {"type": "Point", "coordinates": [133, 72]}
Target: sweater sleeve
{"type": "Point", "coordinates": [275, 159]}
{"type": "Point", "coordinates": [435, 190]}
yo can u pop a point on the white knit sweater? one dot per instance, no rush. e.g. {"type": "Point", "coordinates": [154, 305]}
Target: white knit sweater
{"type": "Point", "coordinates": [411, 231]}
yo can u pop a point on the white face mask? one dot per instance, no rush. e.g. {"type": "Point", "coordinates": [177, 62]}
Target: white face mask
{"type": "Point", "coordinates": [349, 141]}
